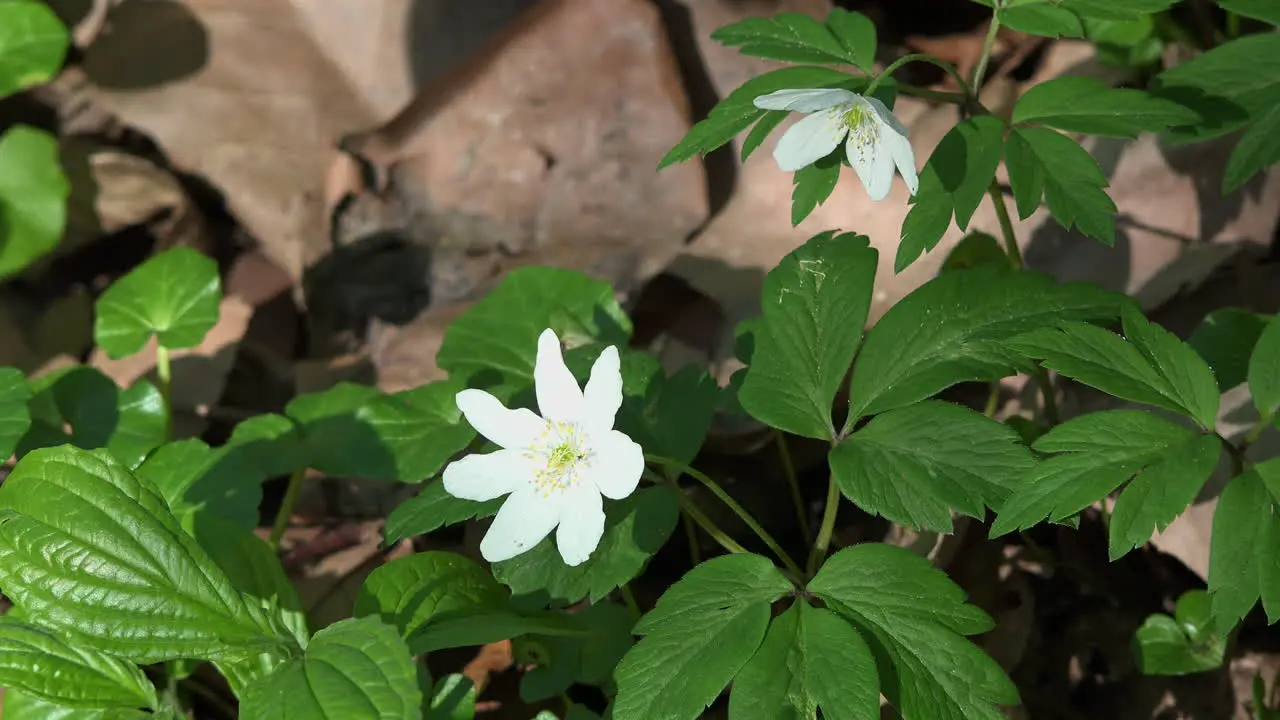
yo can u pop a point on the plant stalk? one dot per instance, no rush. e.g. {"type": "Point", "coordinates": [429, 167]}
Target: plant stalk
{"type": "Point", "coordinates": [980, 71]}
{"type": "Point", "coordinates": [286, 507]}
{"type": "Point", "coordinates": [1006, 226]}
{"type": "Point", "coordinates": [789, 469]}
{"type": "Point", "coordinates": [164, 374]}
{"type": "Point", "coordinates": [825, 530]}
{"type": "Point", "coordinates": [919, 57]}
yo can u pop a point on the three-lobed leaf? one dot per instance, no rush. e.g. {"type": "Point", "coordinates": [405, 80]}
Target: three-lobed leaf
{"type": "Point", "coordinates": [1228, 86]}
{"type": "Point", "coordinates": [174, 296]}
{"type": "Point", "coordinates": [45, 665]}
{"type": "Point", "coordinates": [1247, 519]}
{"type": "Point", "coordinates": [1046, 163]}
{"type": "Point", "coordinates": [845, 38]}
{"type": "Point", "coordinates": [815, 305]}
{"type": "Point", "coordinates": [1085, 105]}
{"type": "Point", "coordinates": [33, 194]}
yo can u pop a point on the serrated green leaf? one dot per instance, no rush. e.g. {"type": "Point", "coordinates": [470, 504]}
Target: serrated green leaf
{"type": "Point", "coordinates": [1227, 86]}
{"type": "Point", "coordinates": [1183, 644]}
{"type": "Point", "coordinates": [19, 705]}
{"type": "Point", "coordinates": [788, 36]}
{"type": "Point", "coordinates": [1246, 519]}
{"type": "Point", "coordinates": [768, 122]}
{"type": "Point", "coordinates": [1043, 19]}
{"type": "Point", "coordinates": [1264, 370]}
{"type": "Point", "coordinates": [814, 183]}
{"type": "Point", "coordinates": [737, 112]}
{"type": "Point", "coordinates": [1264, 10]}
{"type": "Point", "coordinates": [129, 423]}
{"type": "Point", "coordinates": [15, 418]}
{"type": "Point", "coordinates": [499, 335]}
{"type": "Point", "coordinates": [411, 592]}
{"type": "Point", "coordinates": [1116, 9]}
{"type": "Point", "coordinates": [269, 442]}
{"type": "Point", "coordinates": [926, 222]}
{"type": "Point", "coordinates": [196, 479]}
{"type": "Point", "coordinates": [953, 329]}
{"type": "Point", "coordinates": [702, 631]}
{"type": "Point", "coordinates": [857, 33]}
{"type": "Point", "coordinates": [917, 464]}
{"type": "Point", "coordinates": [89, 550]}
{"type": "Point", "coordinates": [634, 529]}
{"type": "Point", "coordinates": [810, 658]}
{"type": "Point", "coordinates": [33, 42]}
{"type": "Point", "coordinates": [1150, 366]}
{"type": "Point", "coordinates": [452, 698]}
{"type": "Point", "coordinates": [913, 617]}
{"type": "Point", "coordinates": [1258, 149]}
{"type": "Point", "coordinates": [356, 669]}
{"type": "Point", "coordinates": [38, 662]}
{"type": "Point", "coordinates": [33, 196]}
{"type": "Point", "coordinates": [814, 304]}
{"type": "Point", "coordinates": [1225, 339]}
{"type": "Point", "coordinates": [174, 295]}
{"type": "Point", "coordinates": [1097, 453]}
{"type": "Point", "coordinates": [433, 508]}
{"type": "Point", "coordinates": [1045, 161]}
{"type": "Point", "coordinates": [1081, 104]}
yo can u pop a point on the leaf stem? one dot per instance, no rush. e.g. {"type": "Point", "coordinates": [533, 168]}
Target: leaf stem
{"type": "Point", "coordinates": [1006, 226]}
{"type": "Point", "coordinates": [789, 469]}
{"type": "Point", "coordinates": [980, 71]}
{"type": "Point", "coordinates": [164, 373]}
{"type": "Point", "coordinates": [936, 95]}
{"type": "Point", "coordinates": [823, 541]}
{"type": "Point", "coordinates": [733, 505]}
{"type": "Point", "coordinates": [1050, 400]}
{"type": "Point", "coordinates": [286, 507]}
{"type": "Point", "coordinates": [695, 552]}
{"type": "Point", "coordinates": [919, 57]}
{"type": "Point", "coordinates": [708, 526]}
{"type": "Point", "coordinates": [630, 600]}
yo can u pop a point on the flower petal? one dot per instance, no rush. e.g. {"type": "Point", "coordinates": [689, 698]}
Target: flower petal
{"type": "Point", "coordinates": [603, 395]}
{"type": "Point", "coordinates": [886, 115]}
{"type": "Point", "coordinates": [559, 397]}
{"type": "Point", "coordinates": [805, 101]}
{"type": "Point", "coordinates": [872, 161]}
{"type": "Point", "coordinates": [523, 521]}
{"type": "Point", "coordinates": [904, 158]}
{"type": "Point", "coordinates": [617, 465]}
{"type": "Point", "coordinates": [581, 524]}
{"type": "Point", "coordinates": [485, 477]}
{"type": "Point", "coordinates": [507, 428]}
{"type": "Point", "coordinates": [810, 139]}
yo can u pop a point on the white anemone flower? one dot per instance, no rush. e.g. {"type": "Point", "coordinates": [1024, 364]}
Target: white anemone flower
{"type": "Point", "coordinates": [555, 467]}
{"type": "Point", "coordinates": [876, 142]}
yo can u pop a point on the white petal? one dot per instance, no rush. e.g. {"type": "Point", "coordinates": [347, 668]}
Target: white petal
{"type": "Point", "coordinates": [490, 418]}
{"type": "Point", "coordinates": [873, 163]}
{"type": "Point", "coordinates": [810, 139]}
{"type": "Point", "coordinates": [581, 524]}
{"type": "Point", "coordinates": [885, 114]}
{"type": "Point", "coordinates": [603, 395]}
{"type": "Point", "coordinates": [485, 477]}
{"type": "Point", "coordinates": [523, 521]}
{"type": "Point", "coordinates": [617, 465]}
{"type": "Point", "coordinates": [559, 397]}
{"type": "Point", "coordinates": [805, 101]}
{"type": "Point", "coordinates": [903, 157]}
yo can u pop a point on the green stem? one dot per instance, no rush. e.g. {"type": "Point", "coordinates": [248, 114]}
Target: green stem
{"type": "Point", "coordinates": [1050, 402]}
{"type": "Point", "coordinates": [695, 552]}
{"type": "Point", "coordinates": [935, 95]}
{"type": "Point", "coordinates": [789, 469]}
{"type": "Point", "coordinates": [1233, 25]}
{"type": "Point", "coordinates": [980, 71]}
{"type": "Point", "coordinates": [918, 57]}
{"type": "Point", "coordinates": [733, 505]}
{"type": "Point", "coordinates": [993, 400]}
{"type": "Point", "coordinates": [825, 530]}
{"type": "Point", "coordinates": [708, 526]}
{"type": "Point", "coordinates": [164, 373]}
{"type": "Point", "coordinates": [630, 600]}
{"type": "Point", "coordinates": [286, 507]}
{"type": "Point", "coordinates": [1006, 226]}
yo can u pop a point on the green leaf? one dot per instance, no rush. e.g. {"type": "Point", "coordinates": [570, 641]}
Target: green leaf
{"type": "Point", "coordinates": [702, 631]}
{"type": "Point", "coordinates": [977, 249]}
{"type": "Point", "coordinates": [173, 295]}
{"type": "Point", "coordinates": [1180, 645]}
{"type": "Point", "coordinates": [1081, 104]}
{"type": "Point", "coordinates": [1041, 19]}
{"type": "Point", "coordinates": [1098, 452]}
{"type": "Point", "coordinates": [1228, 86]}
{"type": "Point", "coordinates": [33, 195]}
{"type": "Point", "coordinates": [1046, 162]}
{"type": "Point", "coordinates": [914, 617]}
{"type": "Point", "coordinates": [356, 669]}
{"type": "Point", "coordinates": [810, 658]}
{"type": "Point", "coordinates": [92, 552]}
{"type": "Point", "coordinates": [1245, 521]}
{"type": "Point", "coordinates": [737, 112]}
{"type": "Point", "coordinates": [814, 183]}
{"type": "Point", "coordinates": [678, 411]}
{"type": "Point", "coordinates": [857, 34]}
{"type": "Point", "coordinates": [917, 464]}
{"type": "Point", "coordinates": [1150, 366]}
{"type": "Point", "coordinates": [453, 698]}
{"type": "Point", "coordinates": [814, 305]}
{"type": "Point", "coordinates": [40, 663]}
{"type": "Point", "coordinates": [411, 592]}
{"type": "Point", "coordinates": [1225, 339]}
{"type": "Point", "coordinates": [926, 222]}
{"type": "Point", "coordinates": [196, 479]}
{"type": "Point", "coordinates": [129, 423]}
{"type": "Point", "coordinates": [478, 627]}
{"type": "Point", "coordinates": [556, 660]}
{"type": "Point", "coordinates": [1258, 149]}
{"type": "Point", "coordinates": [357, 431]}
{"type": "Point", "coordinates": [269, 442]}
{"type": "Point", "coordinates": [1117, 9]}
{"type": "Point", "coordinates": [33, 42]}
{"type": "Point", "coordinates": [20, 705]}
{"type": "Point", "coordinates": [499, 335]}
{"type": "Point", "coordinates": [433, 508]}
{"type": "Point", "coordinates": [15, 418]}
{"type": "Point", "coordinates": [796, 37]}
{"type": "Point", "coordinates": [1264, 10]}
{"type": "Point", "coordinates": [953, 329]}
{"type": "Point", "coordinates": [768, 122]}
{"type": "Point", "coordinates": [634, 529]}
{"type": "Point", "coordinates": [1264, 370]}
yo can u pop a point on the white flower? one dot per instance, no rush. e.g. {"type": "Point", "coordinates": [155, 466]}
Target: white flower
{"type": "Point", "coordinates": [557, 466]}
{"type": "Point", "coordinates": [876, 140]}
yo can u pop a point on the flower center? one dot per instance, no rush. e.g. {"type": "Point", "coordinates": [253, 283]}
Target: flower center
{"type": "Point", "coordinates": [562, 453]}
{"type": "Point", "coordinates": [863, 131]}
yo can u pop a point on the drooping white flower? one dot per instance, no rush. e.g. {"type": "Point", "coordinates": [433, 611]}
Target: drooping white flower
{"type": "Point", "coordinates": [876, 140]}
{"type": "Point", "coordinates": [555, 467]}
